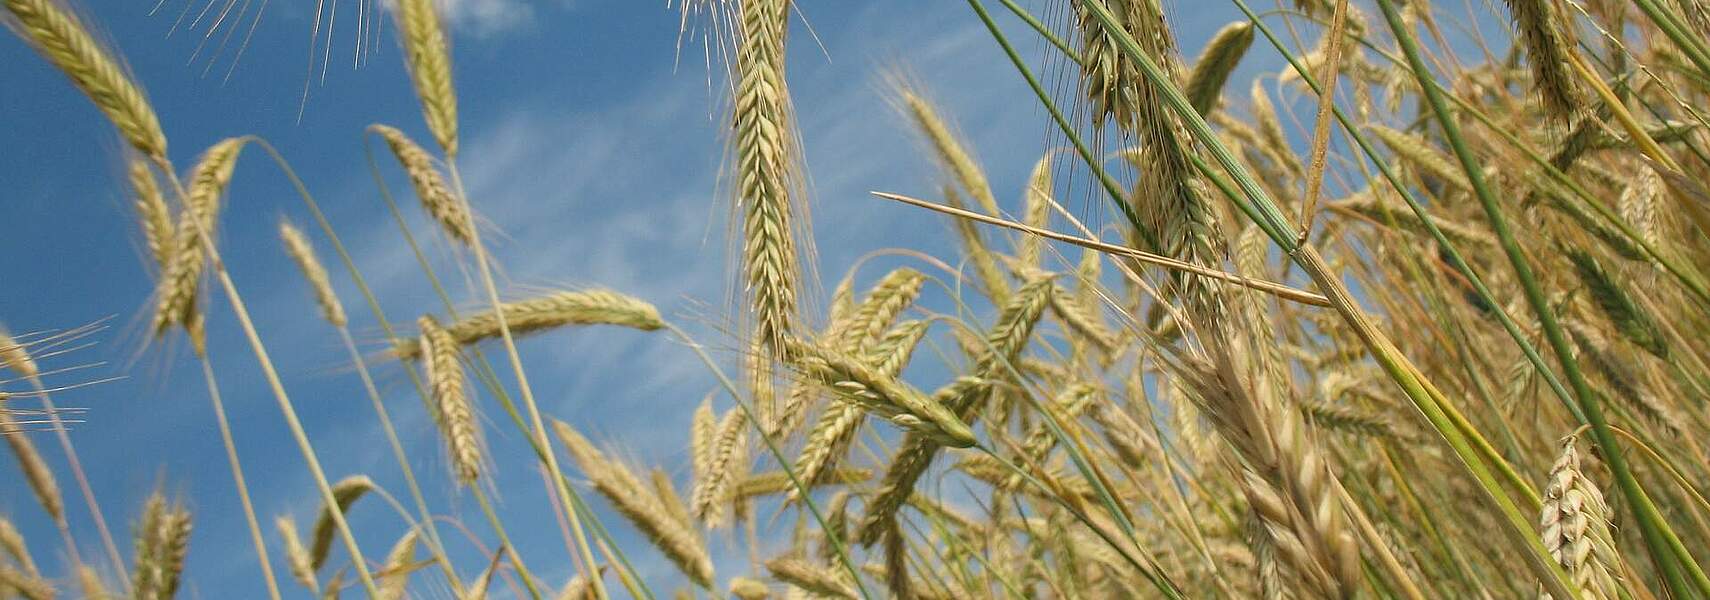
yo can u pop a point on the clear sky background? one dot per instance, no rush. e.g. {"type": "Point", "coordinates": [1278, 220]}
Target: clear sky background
{"type": "Point", "coordinates": [593, 152]}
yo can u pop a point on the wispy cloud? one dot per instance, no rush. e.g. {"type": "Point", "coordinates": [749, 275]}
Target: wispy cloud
{"type": "Point", "coordinates": [486, 17]}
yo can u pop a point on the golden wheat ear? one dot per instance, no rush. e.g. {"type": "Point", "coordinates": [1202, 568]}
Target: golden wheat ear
{"type": "Point", "coordinates": [59, 36]}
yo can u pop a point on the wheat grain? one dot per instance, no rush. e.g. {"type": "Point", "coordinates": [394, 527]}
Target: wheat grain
{"type": "Point", "coordinates": [1575, 522]}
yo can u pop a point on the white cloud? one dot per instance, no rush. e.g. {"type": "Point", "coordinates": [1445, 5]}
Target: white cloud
{"type": "Point", "coordinates": [482, 18]}
{"type": "Point", "coordinates": [486, 17]}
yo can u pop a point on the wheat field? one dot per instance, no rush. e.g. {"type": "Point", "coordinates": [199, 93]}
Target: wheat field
{"type": "Point", "coordinates": [1413, 311]}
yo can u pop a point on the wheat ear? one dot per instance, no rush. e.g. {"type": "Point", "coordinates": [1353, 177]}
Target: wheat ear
{"type": "Point", "coordinates": [1575, 522]}
{"type": "Point", "coordinates": [431, 188]}
{"type": "Point", "coordinates": [345, 493]}
{"type": "Point", "coordinates": [837, 426]}
{"type": "Point", "coordinates": [766, 172]}
{"type": "Point", "coordinates": [57, 34]}
{"type": "Point", "coordinates": [809, 577]}
{"type": "Point", "coordinates": [25, 585]}
{"type": "Point", "coordinates": [631, 497]}
{"type": "Point", "coordinates": [453, 412]}
{"type": "Point", "coordinates": [964, 397]}
{"type": "Point", "coordinates": [152, 212]}
{"type": "Point", "coordinates": [881, 395]}
{"type": "Point", "coordinates": [394, 575]}
{"type": "Point", "coordinates": [1547, 45]}
{"type": "Point", "coordinates": [1205, 82]}
{"type": "Point", "coordinates": [744, 588]}
{"type": "Point", "coordinates": [12, 542]}
{"type": "Point", "coordinates": [558, 309]}
{"type": "Point", "coordinates": [297, 246]}
{"type": "Point", "coordinates": [176, 292]}
{"type": "Point", "coordinates": [430, 68]}
{"type": "Point", "coordinates": [296, 554]}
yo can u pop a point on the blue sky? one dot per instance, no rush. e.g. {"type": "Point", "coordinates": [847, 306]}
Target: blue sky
{"type": "Point", "coordinates": [594, 156]}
